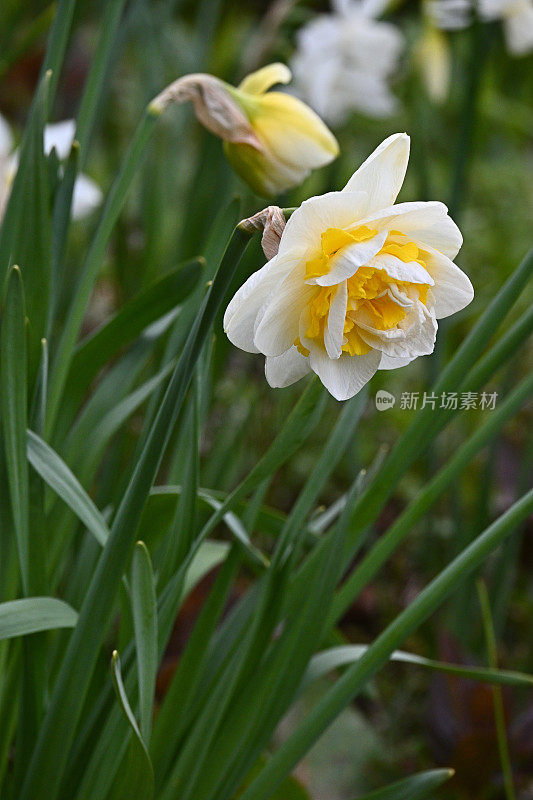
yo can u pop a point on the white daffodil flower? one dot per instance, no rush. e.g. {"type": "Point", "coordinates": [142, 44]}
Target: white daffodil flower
{"type": "Point", "coordinates": [357, 284]}
{"type": "Point", "coordinates": [356, 56]}
{"type": "Point", "coordinates": [271, 139]}
{"type": "Point", "coordinates": [517, 19]}
{"type": "Point", "coordinates": [59, 136]}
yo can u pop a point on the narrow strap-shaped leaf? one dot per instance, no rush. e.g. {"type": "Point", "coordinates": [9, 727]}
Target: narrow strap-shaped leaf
{"type": "Point", "coordinates": [301, 421]}
{"type": "Point", "coordinates": [403, 525]}
{"type": "Point", "coordinates": [25, 231]}
{"type": "Point", "coordinates": [46, 769]}
{"type": "Point", "coordinates": [417, 787]}
{"type": "Point", "coordinates": [181, 533]}
{"type": "Point", "coordinates": [61, 217]}
{"type": "Point", "coordinates": [238, 530]}
{"type": "Point", "coordinates": [162, 502]}
{"type": "Point", "coordinates": [33, 614]}
{"type": "Point", "coordinates": [251, 721]}
{"type": "Point", "coordinates": [97, 81]}
{"type": "Point", "coordinates": [497, 697]}
{"type": "Point", "coordinates": [331, 454]}
{"type": "Point", "coordinates": [144, 607]}
{"type": "Point", "coordinates": [168, 729]}
{"type": "Point", "coordinates": [328, 660]}
{"type": "Point", "coordinates": [425, 424]}
{"type": "Point", "coordinates": [99, 421]}
{"type": "Point", "coordinates": [58, 476]}
{"type": "Point", "coordinates": [57, 43]}
{"type": "Point", "coordinates": [105, 758]}
{"type": "Point", "coordinates": [110, 212]}
{"type": "Point", "coordinates": [38, 415]}
{"type": "Point", "coordinates": [139, 782]}
{"type": "Point", "coordinates": [240, 665]}
{"type": "Point", "coordinates": [14, 392]}
{"type": "Point", "coordinates": [219, 233]}
{"type": "Point", "coordinates": [351, 682]}
{"type": "Point", "coordinates": [163, 295]}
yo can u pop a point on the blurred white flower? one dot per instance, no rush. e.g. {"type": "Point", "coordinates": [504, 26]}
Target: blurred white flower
{"type": "Point", "coordinates": [517, 19]}
{"type": "Point", "coordinates": [516, 16]}
{"type": "Point", "coordinates": [344, 60]}
{"type": "Point", "coordinates": [448, 15]}
{"type": "Point", "coordinates": [59, 136]}
{"type": "Point", "coordinates": [357, 284]}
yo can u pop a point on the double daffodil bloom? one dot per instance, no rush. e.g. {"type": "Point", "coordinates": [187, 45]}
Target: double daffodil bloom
{"type": "Point", "coordinates": [357, 284]}
{"type": "Point", "coordinates": [271, 139]}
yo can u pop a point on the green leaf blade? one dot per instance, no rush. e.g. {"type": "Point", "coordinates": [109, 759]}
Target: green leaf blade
{"type": "Point", "coordinates": [417, 787]}
{"type": "Point", "coordinates": [144, 606]}
{"type": "Point", "coordinates": [139, 778]}
{"type": "Point", "coordinates": [58, 476]}
{"type": "Point", "coordinates": [14, 393]}
{"type": "Point", "coordinates": [33, 614]}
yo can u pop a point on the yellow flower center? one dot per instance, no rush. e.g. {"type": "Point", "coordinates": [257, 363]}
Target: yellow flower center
{"type": "Point", "coordinates": [333, 240]}
{"type": "Point", "coordinates": [368, 289]}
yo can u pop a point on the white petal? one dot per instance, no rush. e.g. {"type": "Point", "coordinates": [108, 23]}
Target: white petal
{"type": "Point", "coordinates": [60, 136]}
{"type": "Point", "coordinates": [423, 222]}
{"type": "Point", "coordinates": [414, 336]}
{"type": "Point", "coordinates": [350, 258]}
{"type": "Point", "coordinates": [381, 175]}
{"type": "Point", "coordinates": [86, 198]}
{"type": "Point", "coordinates": [388, 362]}
{"type": "Point", "coordinates": [279, 325]}
{"type": "Point", "coordinates": [518, 27]}
{"type": "Point", "coordinates": [281, 371]}
{"type": "Point", "coordinates": [452, 290]}
{"type": "Point", "coordinates": [400, 270]}
{"type": "Point", "coordinates": [345, 376]}
{"type": "Point", "coordinates": [6, 138]}
{"type": "Point", "coordinates": [334, 329]}
{"type": "Point", "coordinates": [242, 311]}
{"type": "Point", "coordinates": [316, 215]}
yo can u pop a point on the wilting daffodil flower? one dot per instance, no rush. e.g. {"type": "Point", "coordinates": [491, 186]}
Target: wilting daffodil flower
{"type": "Point", "coordinates": [271, 139]}
{"type": "Point", "coordinates": [357, 284]}
{"type": "Point", "coordinates": [58, 136]}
